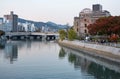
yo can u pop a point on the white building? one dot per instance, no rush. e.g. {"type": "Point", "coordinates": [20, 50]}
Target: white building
{"type": "Point", "coordinates": [28, 27]}
{"type": "Point", "coordinates": [21, 28]}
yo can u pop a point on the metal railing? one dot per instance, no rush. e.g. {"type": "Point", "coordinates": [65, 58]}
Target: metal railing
{"type": "Point", "coordinates": [104, 43]}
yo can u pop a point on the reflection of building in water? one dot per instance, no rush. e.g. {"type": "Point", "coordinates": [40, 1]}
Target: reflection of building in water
{"type": "Point", "coordinates": [79, 62]}
{"type": "Point", "coordinates": [2, 44]}
{"type": "Point", "coordinates": [83, 63]}
{"type": "Point", "coordinates": [11, 52]}
{"type": "Point", "coordinates": [29, 44]}
{"type": "Point", "coordinates": [94, 66]}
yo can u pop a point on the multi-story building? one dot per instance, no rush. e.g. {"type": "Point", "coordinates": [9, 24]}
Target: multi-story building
{"type": "Point", "coordinates": [1, 20]}
{"type": "Point", "coordinates": [28, 27]}
{"type": "Point", "coordinates": [12, 20]}
{"type": "Point", "coordinates": [21, 28]}
{"type": "Point", "coordinates": [6, 27]}
{"type": "Point", "coordinates": [88, 16]}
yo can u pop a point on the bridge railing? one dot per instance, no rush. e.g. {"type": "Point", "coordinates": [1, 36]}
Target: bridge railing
{"type": "Point", "coordinates": [29, 33]}
{"type": "Point", "coordinates": [17, 33]}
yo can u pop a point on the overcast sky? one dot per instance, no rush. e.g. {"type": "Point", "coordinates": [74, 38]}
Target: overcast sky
{"type": "Point", "coordinates": [58, 11]}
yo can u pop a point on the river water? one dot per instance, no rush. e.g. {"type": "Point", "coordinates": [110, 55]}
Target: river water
{"type": "Point", "coordinates": [48, 60]}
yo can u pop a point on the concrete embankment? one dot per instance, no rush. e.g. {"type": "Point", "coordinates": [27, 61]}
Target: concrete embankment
{"type": "Point", "coordinates": [106, 52]}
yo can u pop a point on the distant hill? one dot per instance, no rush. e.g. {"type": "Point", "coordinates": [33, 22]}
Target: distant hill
{"type": "Point", "coordinates": [47, 24]}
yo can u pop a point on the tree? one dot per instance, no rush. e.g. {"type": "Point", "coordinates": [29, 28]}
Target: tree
{"type": "Point", "coordinates": [72, 34]}
{"type": "Point", "coordinates": [2, 32]}
{"type": "Point", "coordinates": [62, 34]}
{"type": "Point", "coordinates": [114, 38]}
{"type": "Point", "coordinates": [105, 26]}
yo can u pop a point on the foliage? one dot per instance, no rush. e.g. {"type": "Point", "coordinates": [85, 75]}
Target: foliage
{"type": "Point", "coordinates": [105, 26]}
{"type": "Point", "coordinates": [114, 38]}
{"type": "Point", "coordinates": [72, 58]}
{"type": "Point", "coordinates": [2, 32]}
{"type": "Point", "coordinates": [62, 53]}
{"type": "Point", "coordinates": [72, 34]}
{"type": "Point", "coordinates": [63, 34]}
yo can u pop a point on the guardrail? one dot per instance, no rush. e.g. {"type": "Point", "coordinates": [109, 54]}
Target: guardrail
{"type": "Point", "coordinates": [29, 33]}
{"type": "Point", "coordinates": [105, 43]}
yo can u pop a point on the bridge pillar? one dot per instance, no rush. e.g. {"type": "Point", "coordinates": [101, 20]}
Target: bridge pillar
{"type": "Point", "coordinates": [38, 37]}
{"type": "Point", "coordinates": [53, 37]}
{"type": "Point", "coordinates": [14, 37]}
{"type": "Point", "coordinates": [31, 37]}
{"type": "Point", "coordinates": [47, 38]}
{"type": "Point", "coordinates": [22, 37]}
{"type": "Point", "coordinates": [44, 37]}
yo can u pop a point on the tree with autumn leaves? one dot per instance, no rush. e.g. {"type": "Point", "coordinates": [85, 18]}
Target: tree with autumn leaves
{"type": "Point", "coordinates": [109, 26]}
{"type": "Point", "coordinates": [105, 26]}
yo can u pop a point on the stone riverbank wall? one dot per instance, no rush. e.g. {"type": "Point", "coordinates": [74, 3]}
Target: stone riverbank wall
{"type": "Point", "coordinates": [102, 51]}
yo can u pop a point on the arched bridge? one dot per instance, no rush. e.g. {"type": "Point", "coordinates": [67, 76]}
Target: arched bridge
{"type": "Point", "coordinates": [31, 36]}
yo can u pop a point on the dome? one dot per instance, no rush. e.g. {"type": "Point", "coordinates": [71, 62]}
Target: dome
{"type": "Point", "coordinates": [86, 10]}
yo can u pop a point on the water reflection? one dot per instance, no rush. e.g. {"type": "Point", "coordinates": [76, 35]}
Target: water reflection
{"type": "Point", "coordinates": [2, 44]}
{"type": "Point", "coordinates": [10, 48]}
{"type": "Point", "coordinates": [10, 51]}
{"type": "Point", "coordinates": [62, 53]}
{"type": "Point", "coordinates": [100, 69]}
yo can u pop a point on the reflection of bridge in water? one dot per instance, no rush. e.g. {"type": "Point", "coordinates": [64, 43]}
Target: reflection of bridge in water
{"type": "Point", "coordinates": [31, 36]}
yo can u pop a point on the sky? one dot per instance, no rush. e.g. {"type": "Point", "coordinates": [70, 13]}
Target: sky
{"type": "Point", "coordinates": [58, 11]}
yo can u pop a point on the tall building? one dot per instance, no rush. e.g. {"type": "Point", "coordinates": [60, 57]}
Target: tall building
{"type": "Point", "coordinates": [12, 20]}
{"type": "Point", "coordinates": [88, 16]}
{"type": "Point", "coordinates": [1, 20]}
{"type": "Point", "coordinates": [97, 7]}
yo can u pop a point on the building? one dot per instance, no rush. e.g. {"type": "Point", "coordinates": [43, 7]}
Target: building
{"type": "Point", "coordinates": [1, 20]}
{"type": "Point", "coordinates": [88, 16]}
{"type": "Point", "coordinates": [6, 27]}
{"type": "Point", "coordinates": [21, 28]}
{"type": "Point", "coordinates": [97, 7]}
{"type": "Point", "coordinates": [28, 27]}
{"type": "Point", "coordinates": [12, 20]}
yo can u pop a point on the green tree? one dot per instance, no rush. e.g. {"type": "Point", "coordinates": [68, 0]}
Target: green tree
{"type": "Point", "coordinates": [72, 58]}
{"type": "Point", "coordinates": [62, 53]}
{"type": "Point", "coordinates": [2, 32]}
{"type": "Point", "coordinates": [72, 34]}
{"type": "Point", "coordinates": [62, 34]}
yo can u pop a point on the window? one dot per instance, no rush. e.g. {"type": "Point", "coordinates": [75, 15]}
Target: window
{"type": "Point", "coordinates": [85, 25]}
{"type": "Point", "coordinates": [85, 31]}
{"type": "Point", "coordinates": [77, 29]}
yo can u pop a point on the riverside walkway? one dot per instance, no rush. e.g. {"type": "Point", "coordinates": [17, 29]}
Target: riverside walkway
{"type": "Point", "coordinates": [117, 45]}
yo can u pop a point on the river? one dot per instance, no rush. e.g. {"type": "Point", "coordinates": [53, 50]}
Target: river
{"type": "Point", "coordinates": [48, 60]}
